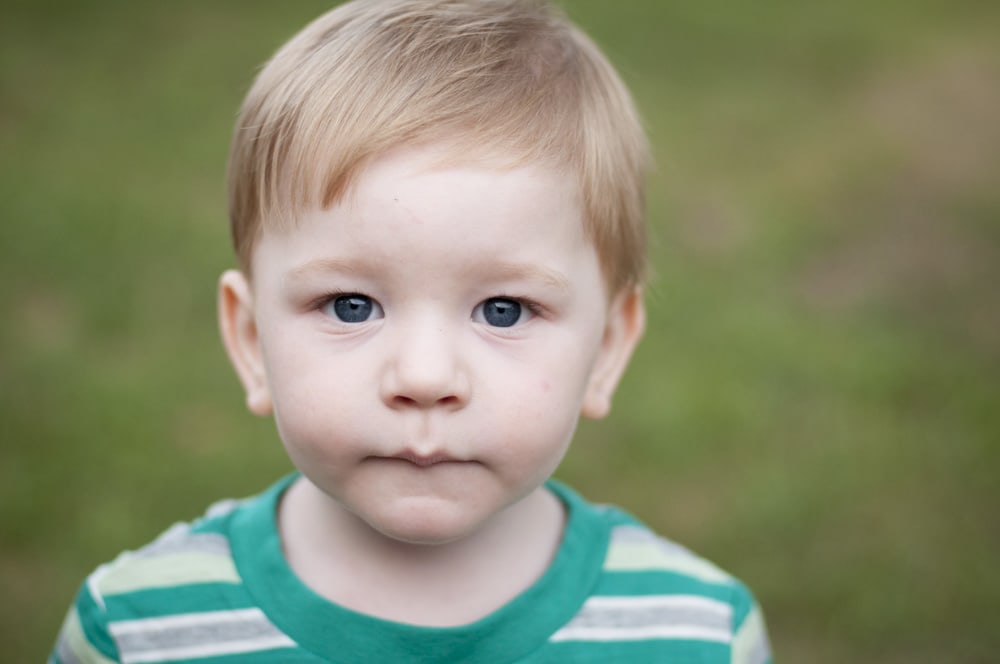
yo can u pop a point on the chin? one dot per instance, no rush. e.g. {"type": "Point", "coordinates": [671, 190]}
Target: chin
{"type": "Point", "coordinates": [427, 525]}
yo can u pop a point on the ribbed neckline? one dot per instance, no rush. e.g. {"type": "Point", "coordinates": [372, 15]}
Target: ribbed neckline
{"type": "Point", "coordinates": [339, 634]}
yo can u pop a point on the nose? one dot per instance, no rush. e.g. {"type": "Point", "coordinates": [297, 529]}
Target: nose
{"type": "Point", "coordinates": [424, 369]}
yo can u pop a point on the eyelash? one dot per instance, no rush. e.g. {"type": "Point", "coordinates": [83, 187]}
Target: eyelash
{"type": "Point", "coordinates": [532, 306]}
{"type": "Point", "coordinates": [318, 303]}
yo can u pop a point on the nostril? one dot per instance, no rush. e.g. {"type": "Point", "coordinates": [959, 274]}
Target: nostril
{"type": "Point", "coordinates": [424, 378]}
{"type": "Point", "coordinates": [403, 401]}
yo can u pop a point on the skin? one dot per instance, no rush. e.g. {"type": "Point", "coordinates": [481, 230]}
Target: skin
{"type": "Point", "coordinates": [424, 429]}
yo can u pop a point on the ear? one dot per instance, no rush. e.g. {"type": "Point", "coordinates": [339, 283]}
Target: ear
{"type": "Point", "coordinates": [239, 335]}
{"type": "Point", "coordinates": [625, 325]}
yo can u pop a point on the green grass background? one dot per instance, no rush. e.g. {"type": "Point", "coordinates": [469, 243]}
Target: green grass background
{"type": "Point", "coordinates": [815, 406]}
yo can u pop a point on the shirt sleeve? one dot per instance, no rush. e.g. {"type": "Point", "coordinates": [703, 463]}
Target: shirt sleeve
{"type": "Point", "coordinates": [750, 644]}
{"type": "Point", "coordinates": [84, 637]}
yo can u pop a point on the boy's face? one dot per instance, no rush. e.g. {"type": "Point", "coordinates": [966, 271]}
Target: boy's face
{"type": "Point", "coordinates": [428, 344]}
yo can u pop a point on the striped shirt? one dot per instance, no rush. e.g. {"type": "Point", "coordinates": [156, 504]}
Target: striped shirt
{"type": "Point", "coordinates": [219, 591]}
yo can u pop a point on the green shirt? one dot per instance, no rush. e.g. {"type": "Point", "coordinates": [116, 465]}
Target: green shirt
{"type": "Point", "coordinates": [219, 590]}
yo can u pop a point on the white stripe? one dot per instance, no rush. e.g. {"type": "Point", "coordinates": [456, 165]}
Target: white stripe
{"type": "Point", "coordinates": [578, 629]}
{"type": "Point", "coordinates": [639, 602]}
{"type": "Point", "coordinates": [652, 556]}
{"type": "Point", "coordinates": [750, 645]}
{"type": "Point", "coordinates": [204, 618]}
{"type": "Point", "coordinates": [211, 650]}
{"type": "Point", "coordinates": [671, 632]}
{"type": "Point", "coordinates": [93, 582]}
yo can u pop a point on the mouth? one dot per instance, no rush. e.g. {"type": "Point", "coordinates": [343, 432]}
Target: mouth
{"type": "Point", "coordinates": [424, 460]}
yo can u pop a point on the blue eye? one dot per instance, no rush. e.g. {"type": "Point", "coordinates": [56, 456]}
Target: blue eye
{"type": "Point", "coordinates": [353, 308]}
{"type": "Point", "coordinates": [500, 312]}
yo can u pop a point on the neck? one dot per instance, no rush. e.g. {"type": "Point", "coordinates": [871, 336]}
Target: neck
{"type": "Point", "coordinates": [341, 558]}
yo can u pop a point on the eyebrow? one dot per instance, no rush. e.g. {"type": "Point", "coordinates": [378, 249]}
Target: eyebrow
{"type": "Point", "coordinates": [498, 271]}
{"type": "Point", "coordinates": [529, 272]}
{"type": "Point", "coordinates": [322, 266]}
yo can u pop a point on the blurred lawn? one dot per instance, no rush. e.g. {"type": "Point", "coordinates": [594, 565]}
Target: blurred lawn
{"type": "Point", "coordinates": [815, 406]}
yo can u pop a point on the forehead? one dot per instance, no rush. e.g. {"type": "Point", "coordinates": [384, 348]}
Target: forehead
{"type": "Point", "coordinates": [417, 167]}
{"type": "Point", "coordinates": [421, 206]}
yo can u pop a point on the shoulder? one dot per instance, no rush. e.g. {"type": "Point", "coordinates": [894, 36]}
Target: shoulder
{"type": "Point", "coordinates": [187, 552]}
{"type": "Point", "coordinates": [641, 561]}
{"type": "Point", "coordinates": [635, 549]}
{"type": "Point", "coordinates": [188, 568]}
{"type": "Point", "coordinates": [651, 588]}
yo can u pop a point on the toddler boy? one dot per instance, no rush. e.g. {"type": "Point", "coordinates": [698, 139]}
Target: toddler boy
{"type": "Point", "coordinates": [437, 211]}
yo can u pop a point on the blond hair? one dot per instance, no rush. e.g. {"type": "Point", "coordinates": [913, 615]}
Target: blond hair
{"type": "Point", "coordinates": [509, 78]}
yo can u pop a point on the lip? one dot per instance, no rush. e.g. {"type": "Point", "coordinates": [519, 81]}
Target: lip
{"type": "Point", "coordinates": [424, 460]}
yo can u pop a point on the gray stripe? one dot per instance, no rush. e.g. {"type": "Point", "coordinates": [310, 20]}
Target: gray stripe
{"type": "Point", "coordinates": [66, 655]}
{"type": "Point", "coordinates": [622, 617]}
{"type": "Point", "coordinates": [215, 629]}
{"type": "Point", "coordinates": [639, 535]}
{"type": "Point", "coordinates": [179, 538]}
{"type": "Point", "coordinates": [761, 651]}
{"type": "Point", "coordinates": [182, 540]}
{"type": "Point", "coordinates": [223, 507]}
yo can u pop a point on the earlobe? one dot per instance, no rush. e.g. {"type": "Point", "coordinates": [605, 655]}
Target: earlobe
{"type": "Point", "coordinates": [239, 335]}
{"type": "Point", "coordinates": [625, 325]}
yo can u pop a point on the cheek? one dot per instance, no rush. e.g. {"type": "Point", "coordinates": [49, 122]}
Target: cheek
{"type": "Point", "coordinates": [311, 400]}
{"type": "Point", "coordinates": [562, 372]}
{"type": "Point", "coordinates": [565, 374]}
{"type": "Point", "coordinates": [556, 395]}
{"type": "Point", "coordinates": [544, 408]}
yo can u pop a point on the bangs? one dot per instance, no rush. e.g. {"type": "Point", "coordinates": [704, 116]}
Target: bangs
{"type": "Point", "coordinates": [512, 82]}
